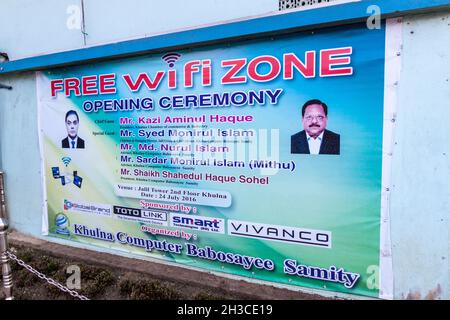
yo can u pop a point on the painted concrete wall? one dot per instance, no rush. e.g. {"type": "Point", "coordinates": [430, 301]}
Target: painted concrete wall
{"type": "Point", "coordinates": [26, 31]}
{"type": "Point", "coordinates": [420, 198]}
{"type": "Point", "coordinates": [30, 28]}
{"type": "Point", "coordinates": [154, 17]}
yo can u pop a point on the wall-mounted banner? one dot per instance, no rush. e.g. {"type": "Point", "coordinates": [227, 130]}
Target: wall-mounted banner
{"type": "Point", "coordinates": [258, 158]}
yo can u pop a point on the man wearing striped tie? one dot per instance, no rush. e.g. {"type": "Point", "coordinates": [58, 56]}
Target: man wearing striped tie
{"type": "Point", "coordinates": [72, 141]}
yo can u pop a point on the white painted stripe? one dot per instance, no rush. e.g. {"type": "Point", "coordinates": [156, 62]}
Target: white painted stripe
{"type": "Point", "coordinates": [392, 78]}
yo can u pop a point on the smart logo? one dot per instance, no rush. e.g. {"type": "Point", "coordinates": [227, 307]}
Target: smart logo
{"type": "Point", "coordinates": [199, 223]}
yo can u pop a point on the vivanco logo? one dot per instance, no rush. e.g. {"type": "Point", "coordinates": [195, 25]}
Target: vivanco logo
{"type": "Point", "coordinates": [302, 236]}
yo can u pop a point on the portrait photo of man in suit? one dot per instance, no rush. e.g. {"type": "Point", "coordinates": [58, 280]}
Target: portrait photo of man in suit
{"type": "Point", "coordinates": [315, 138]}
{"type": "Point", "coordinates": [72, 141]}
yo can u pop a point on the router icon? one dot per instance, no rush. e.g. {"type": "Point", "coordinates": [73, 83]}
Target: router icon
{"type": "Point", "coordinates": [67, 178]}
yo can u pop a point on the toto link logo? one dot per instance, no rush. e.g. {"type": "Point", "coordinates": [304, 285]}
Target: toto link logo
{"type": "Point", "coordinates": [154, 217]}
{"type": "Point", "coordinates": [127, 211]}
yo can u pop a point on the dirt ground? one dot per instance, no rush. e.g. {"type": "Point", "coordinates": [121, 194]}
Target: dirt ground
{"type": "Point", "coordinates": [98, 282]}
{"type": "Point", "coordinates": [107, 276]}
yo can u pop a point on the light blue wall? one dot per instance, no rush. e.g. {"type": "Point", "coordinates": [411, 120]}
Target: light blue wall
{"type": "Point", "coordinates": [420, 198]}
{"type": "Point", "coordinates": [29, 27]}
{"type": "Point", "coordinates": [420, 202]}
{"type": "Point", "coordinates": [19, 150]}
{"type": "Point", "coordinates": [143, 18]}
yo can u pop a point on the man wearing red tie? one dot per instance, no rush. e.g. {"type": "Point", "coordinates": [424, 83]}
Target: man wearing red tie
{"type": "Point", "coordinates": [72, 141]}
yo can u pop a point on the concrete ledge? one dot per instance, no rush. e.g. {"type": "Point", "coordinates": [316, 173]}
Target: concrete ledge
{"type": "Point", "coordinates": [239, 288]}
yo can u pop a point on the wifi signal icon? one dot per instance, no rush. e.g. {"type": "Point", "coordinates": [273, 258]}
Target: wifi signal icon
{"type": "Point", "coordinates": [171, 58]}
{"type": "Point", "coordinates": [66, 160]}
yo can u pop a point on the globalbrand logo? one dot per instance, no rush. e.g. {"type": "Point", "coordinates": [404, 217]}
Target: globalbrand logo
{"type": "Point", "coordinates": [147, 216]}
{"type": "Point", "coordinates": [83, 207]}
{"type": "Point", "coordinates": [67, 204]}
{"type": "Point", "coordinates": [200, 223]}
{"type": "Point", "coordinates": [302, 236]}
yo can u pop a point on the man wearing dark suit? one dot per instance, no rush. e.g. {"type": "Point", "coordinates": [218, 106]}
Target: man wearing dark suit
{"type": "Point", "coordinates": [72, 141]}
{"type": "Point", "coordinates": [315, 139]}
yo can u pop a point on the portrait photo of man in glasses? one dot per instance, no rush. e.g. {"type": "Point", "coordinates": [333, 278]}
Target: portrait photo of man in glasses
{"type": "Point", "coordinates": [315, 138]}
{"type": "Point", "coordinates": [72, 141]}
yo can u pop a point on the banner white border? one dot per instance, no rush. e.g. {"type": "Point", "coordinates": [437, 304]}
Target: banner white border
{"type": "Point", "coordinates": [394, 29]}
{"type": "Point", "coordinates": [44, 229]}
